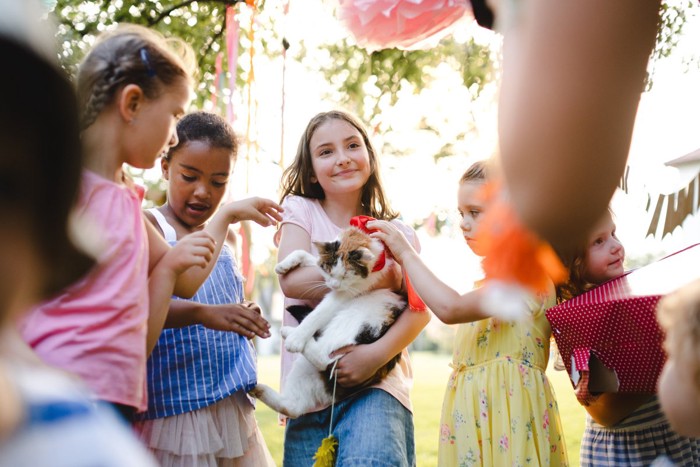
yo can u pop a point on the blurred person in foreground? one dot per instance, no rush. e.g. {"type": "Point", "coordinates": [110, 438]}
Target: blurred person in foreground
{"type": "Point", "coordinates": [46, 417]}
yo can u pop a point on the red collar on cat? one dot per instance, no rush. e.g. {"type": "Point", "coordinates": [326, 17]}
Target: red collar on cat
{"type": "Point", "coordinates": [361, 223]}
{"type": "Point", "coordinates": [414, 301]}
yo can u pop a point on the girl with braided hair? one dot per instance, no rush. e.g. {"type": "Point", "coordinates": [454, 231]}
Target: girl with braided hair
{"type": "Point", "coordinates": [133, 87]}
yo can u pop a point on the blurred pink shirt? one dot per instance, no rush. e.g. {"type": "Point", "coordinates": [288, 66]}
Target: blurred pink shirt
{"type": "Point", "coordinates": [97, 328]}
{"type": "Point", "coordinates": [308, 214]}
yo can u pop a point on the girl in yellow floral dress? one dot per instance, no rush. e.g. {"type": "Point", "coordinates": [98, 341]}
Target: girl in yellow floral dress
{"type": "Point", "coordinates": [499, 408]}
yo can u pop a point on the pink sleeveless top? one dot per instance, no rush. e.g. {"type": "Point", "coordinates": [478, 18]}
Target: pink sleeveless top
{"type": "Point", "coordinates": [97, 328]}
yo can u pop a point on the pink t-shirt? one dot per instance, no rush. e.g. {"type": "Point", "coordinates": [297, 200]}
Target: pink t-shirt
{"type": "Point", "coordinates": [97, 328]}
{"type": "Point", "coordinates": [308, 214]}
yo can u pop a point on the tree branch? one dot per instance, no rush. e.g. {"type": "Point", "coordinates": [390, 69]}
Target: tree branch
{"type": "Point", "coordinates": [165, 13]}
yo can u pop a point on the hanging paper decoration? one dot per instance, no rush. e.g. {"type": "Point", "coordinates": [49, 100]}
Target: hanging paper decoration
{"type": "Point", "coordinates": [383, 24]}
{"type": "Point", "coordinates": [232, 28]}
{"type": "Point", "coordinates": [247, 267]}
{"type": "Point", "coordinates": [285, 47]}
{"type": "Point", "coordinates": [679, 206]}
{"type": "Point", "coordinates": [218, 80]}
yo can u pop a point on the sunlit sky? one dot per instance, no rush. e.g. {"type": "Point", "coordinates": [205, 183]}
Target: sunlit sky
{"type": "Point", "coordinates": [666, 128]}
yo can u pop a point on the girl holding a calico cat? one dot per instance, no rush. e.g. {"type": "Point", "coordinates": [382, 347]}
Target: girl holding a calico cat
{"type": "Point", "coordinates": [499, 408]}
{"type": "Point", "coordinates": [333, 178]}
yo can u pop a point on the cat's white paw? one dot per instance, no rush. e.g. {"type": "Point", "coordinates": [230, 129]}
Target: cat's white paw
{"type": "Point", "coordinates": [294, 343]}
{"type": "Point", "coordinates": [285, 266]}
{"type": "Point", "coordinates": [258, 391]}
{"type": "Point", "coordinates": [285, 331]}
{"type": "Point", "coordinates": [295, 259]}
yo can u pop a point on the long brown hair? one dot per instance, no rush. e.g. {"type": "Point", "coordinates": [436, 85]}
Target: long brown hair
{"type": "Point", "coordinates": [296, 179]}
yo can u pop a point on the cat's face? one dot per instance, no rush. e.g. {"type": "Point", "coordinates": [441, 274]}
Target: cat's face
{"type": "Point", "coordinates": [347, 263]}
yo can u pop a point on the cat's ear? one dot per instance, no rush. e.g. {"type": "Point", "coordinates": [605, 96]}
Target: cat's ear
{"type": "Point", "coordinates": [322, 247]}
{"type": "Point", "coordinates": [363, 254]}
{"type": "Point", "coordinates": [325, 248]}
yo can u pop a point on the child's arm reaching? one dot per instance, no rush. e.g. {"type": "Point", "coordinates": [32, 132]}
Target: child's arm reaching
{"type": "Point", "coordinates": [263, 211]}
{"type": "Point", "coordinates": [195, 249]}
{"type": "Point", "coordinates": [448, 305]}
{"type": "Point", "coordinates": [244, 318]}
{"type": "Point", "coordinates": [572, 79]}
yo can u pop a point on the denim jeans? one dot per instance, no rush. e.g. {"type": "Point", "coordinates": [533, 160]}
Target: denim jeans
{"type": "Point", "coordinates": [372, 428]}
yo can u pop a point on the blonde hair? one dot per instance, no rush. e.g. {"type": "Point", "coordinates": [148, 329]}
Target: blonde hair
{"type": "Point", "coordinates": [479, 171]}
{"type": "Point", "coordinates": [130, 54]}
{"type": "Point", "coordinates": [679, 316]}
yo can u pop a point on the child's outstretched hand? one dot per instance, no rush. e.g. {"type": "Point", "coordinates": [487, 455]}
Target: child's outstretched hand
{"type": "Point", "coordinates": [195, 249]}
{"type": "Point", "coordinates": [244, 318]}
{"type": "Point", "coordinates": [393, 238]}
{"type": "Point", "coordinates": [260, 210]}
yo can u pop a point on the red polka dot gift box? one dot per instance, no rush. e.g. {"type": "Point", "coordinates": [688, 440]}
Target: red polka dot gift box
{"type": "Point", "coordinates": [611, 331]}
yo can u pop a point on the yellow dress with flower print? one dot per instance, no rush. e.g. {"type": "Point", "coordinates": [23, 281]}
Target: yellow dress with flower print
{"type": "Point", "coordinates": [499, 408]}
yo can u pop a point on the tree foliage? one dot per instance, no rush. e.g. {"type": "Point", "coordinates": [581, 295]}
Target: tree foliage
{"type": "Point", "coordinates": [201, 23]}
{"type": "Point", "coordinates": [363, 81]}
{"type": "Point", "coordinates": [673, 19]}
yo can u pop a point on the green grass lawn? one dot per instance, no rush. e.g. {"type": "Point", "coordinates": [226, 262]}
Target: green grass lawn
{"type": "Point", "coordinates": [431, 372]}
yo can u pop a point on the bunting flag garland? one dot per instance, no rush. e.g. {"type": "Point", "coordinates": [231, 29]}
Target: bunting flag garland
{"type": "Point", "coordinates": [669, 210]}
{"type": "Point", "coordinates": [679, 206]}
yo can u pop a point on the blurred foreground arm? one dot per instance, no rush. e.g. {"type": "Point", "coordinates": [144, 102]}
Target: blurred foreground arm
{"type": "Point", "coordinates": [573, 75]}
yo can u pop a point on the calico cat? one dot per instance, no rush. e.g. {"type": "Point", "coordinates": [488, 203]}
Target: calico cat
{"type": "Point", "coordinates": [350, 313]}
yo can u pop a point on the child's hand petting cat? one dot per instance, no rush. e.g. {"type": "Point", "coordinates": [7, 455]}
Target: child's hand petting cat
{"type": "Point", "coordinates": [392, 238]}
{"type": "Point", "coordinates": [244, 318]}
{"type": "Point", "coordinates": [357, 364]}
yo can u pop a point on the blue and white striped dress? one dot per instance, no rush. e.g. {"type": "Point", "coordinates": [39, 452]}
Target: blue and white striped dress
{"type": "Point", "coordinates": [637, 440]}
{"type": "Point", "coordinates": [194, 367]}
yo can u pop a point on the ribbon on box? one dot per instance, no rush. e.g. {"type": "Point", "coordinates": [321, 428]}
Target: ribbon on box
{"type": "Point", "coordinates": [414, 301]}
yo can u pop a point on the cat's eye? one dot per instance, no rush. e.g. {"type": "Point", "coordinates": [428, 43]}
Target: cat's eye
{"type": "Point", "coordinates": [355, 255]}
